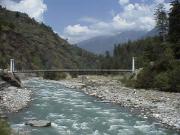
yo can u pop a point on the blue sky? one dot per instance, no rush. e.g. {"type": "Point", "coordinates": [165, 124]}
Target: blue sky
{"type": "Point", "coordinates": [60, 13]}
{"type": "Point", "coordinates": [79, 20]}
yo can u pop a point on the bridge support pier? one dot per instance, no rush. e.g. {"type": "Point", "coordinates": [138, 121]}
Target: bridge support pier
{"type": "Point", "coordinates": [133, 65]}
{"type": "Point", "coordinates": [12, 69]}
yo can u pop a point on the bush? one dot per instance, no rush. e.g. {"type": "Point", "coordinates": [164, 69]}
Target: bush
{"type": "Point", "coordinates": [11, 26]}
{"type": "Point", "coordinates": [145, 79]}
{"type": "Point", "coordinates": [161, 81]}
{"type": "Point", "coordinates": [166, 79]}
{"type": "Point", "coordinates": [174, 79]}
{"type": "Point", "coordinates": [4, 128]}
{"type": "Point", "coordinates": [17, 14]}
{"type": "Point", "coordinates": [54, 75]}
{"type": "Point", "coordinates": [165, 61]}
{"type": "Point", "coordinates": [128, 82]}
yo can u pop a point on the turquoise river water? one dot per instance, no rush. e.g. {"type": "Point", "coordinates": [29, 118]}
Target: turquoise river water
{"type": "Point", "coordinates": [74, 113]}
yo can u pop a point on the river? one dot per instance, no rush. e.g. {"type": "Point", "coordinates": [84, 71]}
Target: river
{"type": "Point", "coordinates": [74, 113]}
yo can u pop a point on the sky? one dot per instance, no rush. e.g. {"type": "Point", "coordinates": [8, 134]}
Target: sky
{"type": "Point", "coordinates": [78, 20]}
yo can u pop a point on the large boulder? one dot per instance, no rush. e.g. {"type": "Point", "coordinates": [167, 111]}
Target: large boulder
{"type": "Point", "coordinates": [38, 123]}
{"type": "Point", "coordinates": [3, 84]}
{"type": "Point", "coordinates": [11, 79]}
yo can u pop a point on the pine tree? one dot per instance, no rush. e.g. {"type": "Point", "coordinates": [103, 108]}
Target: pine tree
{"type": "Point", "coordinates": [115, 53]}
{"type": "Point", "coordinates": [174, 26]}
{"type": "Point", "coordinates": [17, 14]}
{"type": "Point", "coordinates": [161, 21]}
{"type": "Point", "coordinates": [174, 21]}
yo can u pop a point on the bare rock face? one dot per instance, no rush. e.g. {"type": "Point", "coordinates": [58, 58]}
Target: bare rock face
{"type": "Point", "coordinates": [38, 123]}
{"type": "Point", "coordinates": [3, 84]}
{"type": "Point", "coordinates": [11, 79]}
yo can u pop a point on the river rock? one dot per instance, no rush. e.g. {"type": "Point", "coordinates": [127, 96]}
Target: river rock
{"type": "Point", "coordinates": [93, 94]}
{"type": "Point", "coordinates": [11, 79]}
{"type": "Point", "coordinates": [3, 116]}
{"type": "Point", "coordinates": [38, 123]}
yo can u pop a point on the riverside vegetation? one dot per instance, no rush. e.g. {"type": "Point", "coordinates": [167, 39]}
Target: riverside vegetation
{"type": "Point", "coordinates": [159, 57]}
{"type": "Point", "coordinates": [4, 128]}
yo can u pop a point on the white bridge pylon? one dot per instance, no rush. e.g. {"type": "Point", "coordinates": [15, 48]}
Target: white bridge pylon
{"type": "Point", "coordinates": [133, 64]}
{"type": "Point", "coordinates": [12, 66]}
{"type": "Point", "coordinates": [12, 69]}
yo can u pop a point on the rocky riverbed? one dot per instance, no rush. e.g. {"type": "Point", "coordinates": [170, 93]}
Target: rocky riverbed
{"type": "Point", "coordinates": [12, 99]}
{"type": "Point", "coordinates": [162, 106]}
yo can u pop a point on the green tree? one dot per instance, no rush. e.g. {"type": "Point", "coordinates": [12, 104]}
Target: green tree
{"type": "Point", "coordinates": [174, 21]}
{"type": "Point", "coordinates": [162, 81]}
{"type": "Point", "coordinates": [161, 21]}
{"type": "Point", "coordinates": [145, 79]}
{"type": "Point", "coordinates": [17, 14]}
{"type": "Point", "coordinates": [11, 26]}
{"type": "Point", "coordinates": [174, 26]}
{"type": "Point", "coordinates": [174, 78]}
{"type": "Point", "coordinates": [115, 53]}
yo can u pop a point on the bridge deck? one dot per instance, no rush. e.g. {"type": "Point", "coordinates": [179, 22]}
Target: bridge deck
{"type": "Point", "coordinates": [74, 70]}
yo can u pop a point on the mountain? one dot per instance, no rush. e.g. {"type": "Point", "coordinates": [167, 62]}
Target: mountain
{"type": "Point", "coordinates": [34, 45]}
{"type": "Point", "coordinates": [101, 44]}
{"type": "Point", "coordinates": [154, 32]}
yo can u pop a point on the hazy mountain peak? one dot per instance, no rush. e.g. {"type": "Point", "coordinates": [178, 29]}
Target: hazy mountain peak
{"type": "Point", "coordinates": [101, 44]}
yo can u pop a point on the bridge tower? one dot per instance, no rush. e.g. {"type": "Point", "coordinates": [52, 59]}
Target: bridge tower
{"type": "Point", "coordinates": [133, 65]}
{"type": "Point", "coordinates": [12, 66]}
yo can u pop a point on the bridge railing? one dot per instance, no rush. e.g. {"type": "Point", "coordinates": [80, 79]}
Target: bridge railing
{"type": "Point", "coordinates": [12, 69]}
{"type": "Point", "coordinates": [74, 70]}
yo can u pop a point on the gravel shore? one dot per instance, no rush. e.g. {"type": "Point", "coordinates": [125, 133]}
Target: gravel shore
{"type": "Point", "coordinates": [13, 99]}
{"type": "Point", "coordinates": [162, 106]}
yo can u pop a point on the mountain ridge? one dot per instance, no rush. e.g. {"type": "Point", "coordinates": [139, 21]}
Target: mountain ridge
{"type": "Point", "coordinates": [101, 44]}
{"type": "Point", "coordinates": [34, 45]}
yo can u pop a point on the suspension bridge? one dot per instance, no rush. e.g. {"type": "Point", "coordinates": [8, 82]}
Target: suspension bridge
{"type": "Point", "coordinates": [13, 70]}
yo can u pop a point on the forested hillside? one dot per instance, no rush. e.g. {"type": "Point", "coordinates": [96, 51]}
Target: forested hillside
{"type": "Point", "coordinates": [123, 53]}
{"type": "Point", "coordinates": [34, 45]}
{"type": "Point", "coordinates": [159, 57]}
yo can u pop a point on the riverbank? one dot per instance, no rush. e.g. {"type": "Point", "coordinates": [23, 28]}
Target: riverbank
{"type": "Point", "coordinates": [12, 99]}
{"type": "Point", "coordinates": [162, 106]}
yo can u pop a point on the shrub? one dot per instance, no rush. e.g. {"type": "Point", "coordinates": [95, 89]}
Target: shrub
{"type": "Point", "coordinates": [174, 78]}
{"type": "Point", "coordinates": [17, 14]}
{"type": "Point", "coordinates": [11, 26]}
{"type": "Point", "coordinates": [161, 81]}
{"type": "Point", "coordinates": [128, 82]}
{"type": "Point", "coordinates": [4, 128]}
{"type": "Point", "coordinates": [165, 61]}
{"type": "Point", "coordinates": [54, 75]}
{"type": "Point", "coordinates": [145, 79]}
{"type": "Point", "coordinates": [160, 76]}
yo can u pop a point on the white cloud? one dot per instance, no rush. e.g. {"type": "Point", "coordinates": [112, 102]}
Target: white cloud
{"type": "Point", "coordinates": [78, 32]}
{"type": "Point", "coordinates": [123, 2]}
{"type": "Point", "coordinates": [121, 24]}
{"type": "Point", "coordinates": [134, 16]}
{"type": "Point", "coordinates": [77, 29]}
{"type": "Point", "coordinates": [34, 8]}
{"type": "Point", "coordinates": [159, 1]}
